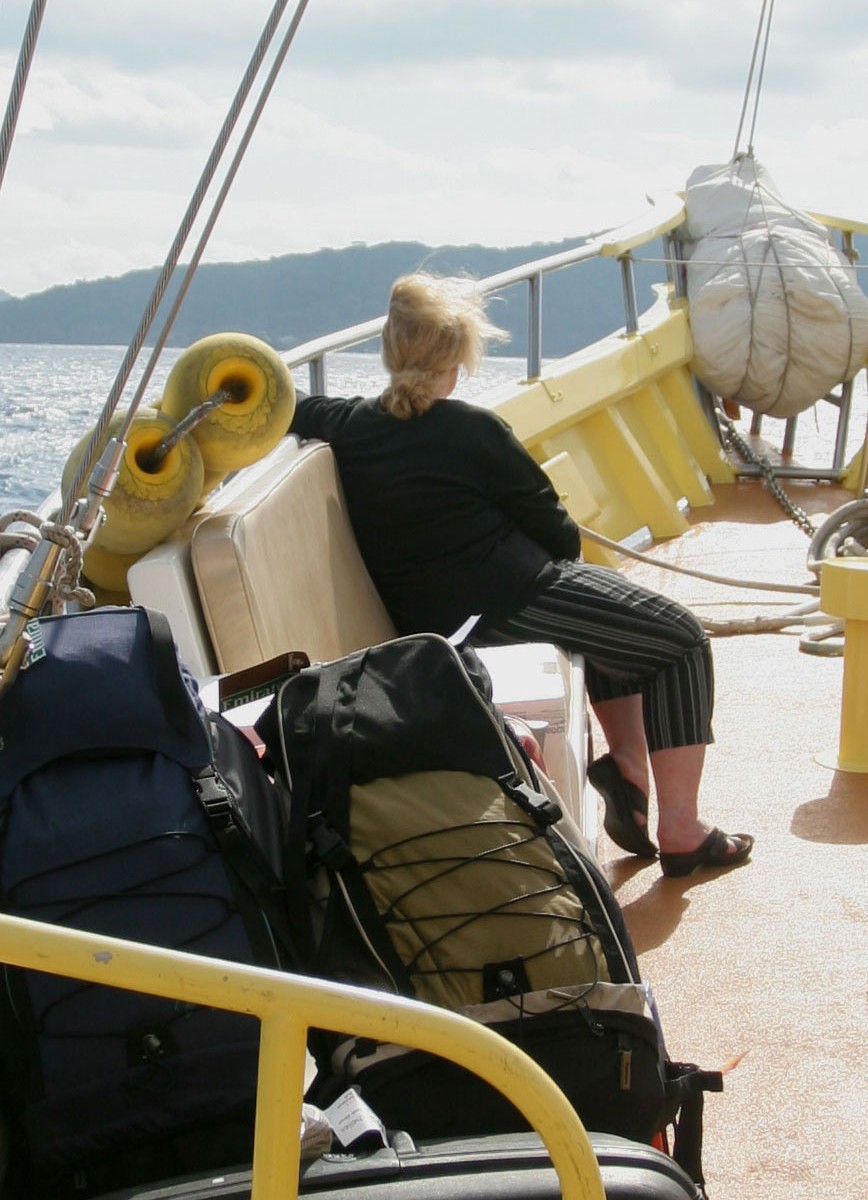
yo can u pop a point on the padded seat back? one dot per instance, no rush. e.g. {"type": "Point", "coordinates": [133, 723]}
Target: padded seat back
{"type": "Point", "coordinates": [278, 568]}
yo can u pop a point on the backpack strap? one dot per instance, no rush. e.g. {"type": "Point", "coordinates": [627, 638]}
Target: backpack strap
{"type": "Point", "coordinates": [177, 693]}
{"type": "Point", "coordinates": [335, 715]}
{"type": "Point", "coordinates": [329, 825]}
{"type": "Point", "coordinates": [260, 891]}
{"type": "Point", "coordinates": [685, 1087]}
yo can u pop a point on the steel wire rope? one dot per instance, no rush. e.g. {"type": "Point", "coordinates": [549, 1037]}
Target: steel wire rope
{"type": "Point", "coordinates": [38, 577]}
{"type": "Point", "coordinates": [219, 201]}
{"type": "Point", "coordinates": [87, 463]}
{"type": "Point", "coordinates": [765, 19]}
{"type": "Point", "coordinates": [19, 81]}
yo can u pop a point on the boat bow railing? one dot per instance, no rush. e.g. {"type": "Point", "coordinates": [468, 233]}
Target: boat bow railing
{"type": "Point", "coordinates": [664, 217]}
{"type": "Point", "coordinates": [287, 1007]}
{"type": "Point", "coordinates": [663, 221]}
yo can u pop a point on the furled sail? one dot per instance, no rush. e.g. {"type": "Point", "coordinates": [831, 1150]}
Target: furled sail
{"type": "Point", "coordinates": [777, 315]}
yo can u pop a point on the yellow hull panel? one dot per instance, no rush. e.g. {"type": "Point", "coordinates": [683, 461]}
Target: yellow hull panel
{"type": "Point", "coordinates": [621, 431]}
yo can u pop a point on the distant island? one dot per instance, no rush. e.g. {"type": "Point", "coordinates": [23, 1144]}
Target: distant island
{"type": "Point", "coordinates": [291, 299]}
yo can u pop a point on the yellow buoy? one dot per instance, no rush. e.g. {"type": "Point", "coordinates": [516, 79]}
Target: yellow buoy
{"type": "Point", "coordinates": [150, 499]}
{"type": "Point", "coordinates": [261, 407]}
{"type": "Point", "coordinates": [108, 572]}
{"type": "Point", "coordinates": [213, 479]}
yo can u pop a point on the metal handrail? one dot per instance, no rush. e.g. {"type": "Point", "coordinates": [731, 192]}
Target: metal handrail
{"type": "Point", "coordinates": [667, 215]}
{"type": "Point", "coordinates": [288, 1006]}
{"type": "Point", "coordinates": [664, 220]}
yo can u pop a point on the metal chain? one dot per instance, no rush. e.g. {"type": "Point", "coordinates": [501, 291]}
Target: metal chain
{"type": "Point", "coordinates": [733, 438]}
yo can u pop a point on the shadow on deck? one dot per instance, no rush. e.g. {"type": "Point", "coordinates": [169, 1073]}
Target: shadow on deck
{"type": "Point", "coordinates": [769, 960]}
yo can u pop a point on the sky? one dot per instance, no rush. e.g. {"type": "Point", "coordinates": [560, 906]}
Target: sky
{"type": "Point", "coordinates": [499, 122]}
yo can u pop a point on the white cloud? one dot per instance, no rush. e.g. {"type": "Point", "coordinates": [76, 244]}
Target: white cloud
{"type": "Point", "coordinates": [466, 120]}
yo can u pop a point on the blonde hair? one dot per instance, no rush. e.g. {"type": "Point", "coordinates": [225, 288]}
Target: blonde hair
{"type": "Point", "coordinates": [434, 324]}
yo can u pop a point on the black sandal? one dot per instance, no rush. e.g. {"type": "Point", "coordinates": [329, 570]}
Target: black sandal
{"type": "Point", "coordinates": [713, 852]}
{"type": "Point", "coordinates": [623, 800]}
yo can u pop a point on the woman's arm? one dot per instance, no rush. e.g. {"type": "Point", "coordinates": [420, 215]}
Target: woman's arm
{"type": "Point", "coordinates": [319, 416]}
{"type": "Point", "coordinates": [520, 487]}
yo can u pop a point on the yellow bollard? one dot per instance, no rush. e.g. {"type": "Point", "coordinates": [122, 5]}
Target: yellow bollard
{"type": "Point", "coordinates": [844, 593]}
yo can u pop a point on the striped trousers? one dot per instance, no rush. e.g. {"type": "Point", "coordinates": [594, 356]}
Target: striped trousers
{"type": "Point", "coordinates": [633, 640]}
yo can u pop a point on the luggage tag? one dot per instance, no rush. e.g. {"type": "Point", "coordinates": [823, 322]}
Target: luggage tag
{"type": "Point", "coordinates": [261, 681]}
{"type": "Point", "coordinates": [355, 1124]}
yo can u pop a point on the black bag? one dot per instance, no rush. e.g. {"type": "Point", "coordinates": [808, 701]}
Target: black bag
{"type": "Point", "coordinates": [432, 864]}
{"type": "Point", "coordinates": [128, 810]}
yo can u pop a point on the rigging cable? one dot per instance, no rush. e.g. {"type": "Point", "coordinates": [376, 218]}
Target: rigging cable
{"type": "Point", "coordinates": [765, 19]}
{"type": "Point", "coordinates": [22, 70]}
{"type": "Point", "coordinates": [36, 580]}
{"type": "Point", "coordinates": [173, 256]}
{"type": "Point", "coordinates": [220, 200]}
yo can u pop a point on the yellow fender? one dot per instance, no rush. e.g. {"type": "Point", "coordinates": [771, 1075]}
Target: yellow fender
{"type": "Point", "coordinates": [107, 573]}
{"type": "Point", "coordinates": [261, 409]}
{"type": "Point", "coordinates": [213, 479]}
{"type": "Point", "coordinates": [147, 503]}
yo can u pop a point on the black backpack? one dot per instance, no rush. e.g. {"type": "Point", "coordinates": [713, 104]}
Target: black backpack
{"type": "Point", "coordinates": [127, 809]}
{"type": "Point", "coordinates": [427, 858]}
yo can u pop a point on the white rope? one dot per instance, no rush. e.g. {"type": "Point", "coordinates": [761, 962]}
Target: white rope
{"type": "Point", "coordinates": [807, 589]}
{"type": "Point", "coordinates": [826, 641]}
{"type": "Point", "coordinates": [67, 586]}
{"type": "Point", "coordinates": [20, 539]}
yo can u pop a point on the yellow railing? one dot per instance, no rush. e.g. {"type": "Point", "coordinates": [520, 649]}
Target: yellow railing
{"type": "Point", "coordinates": [287, 1006]}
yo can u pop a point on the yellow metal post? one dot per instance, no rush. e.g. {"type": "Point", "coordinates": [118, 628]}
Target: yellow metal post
{"type": "Point", "coordinates": [844, 593]}
{"type": "Point", "coordinates": [288, 1005]}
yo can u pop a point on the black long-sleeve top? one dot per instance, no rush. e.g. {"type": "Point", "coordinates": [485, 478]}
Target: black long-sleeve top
{"type": "Point", "coordinates": [452, 515]}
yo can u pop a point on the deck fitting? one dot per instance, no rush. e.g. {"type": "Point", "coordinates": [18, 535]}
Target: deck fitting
{"type": "Point", "coordinates": [844, 593]}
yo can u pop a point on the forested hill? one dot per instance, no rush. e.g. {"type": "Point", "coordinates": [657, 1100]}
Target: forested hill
{"type": "Point", "coordinates": [291, 299]}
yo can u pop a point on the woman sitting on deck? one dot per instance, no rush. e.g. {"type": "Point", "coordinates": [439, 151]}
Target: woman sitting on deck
{"type": "Point", "coordinates": [454, 518]}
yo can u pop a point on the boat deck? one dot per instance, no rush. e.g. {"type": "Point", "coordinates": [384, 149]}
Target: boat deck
{"type": "Point", "coordinates": [770, 960]}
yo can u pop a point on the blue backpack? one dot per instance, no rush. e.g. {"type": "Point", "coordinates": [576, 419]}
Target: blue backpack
{"type": "Point", "coordinates": [127, 809]}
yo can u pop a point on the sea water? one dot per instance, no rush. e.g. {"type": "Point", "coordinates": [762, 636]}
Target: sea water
{"type": "Point", "coordinates": [51, 395]}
